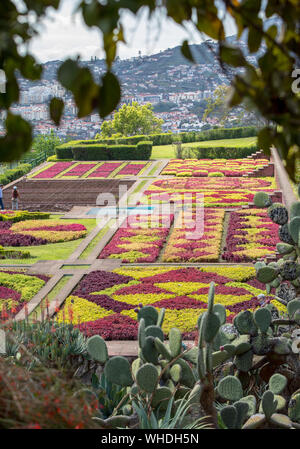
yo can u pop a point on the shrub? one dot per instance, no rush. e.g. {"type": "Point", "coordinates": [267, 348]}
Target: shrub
{"type": "Point", "coordinates": [141, 151]}
{"type": "Point", "coordinates": [14, 173]}
{"type": "Point", "coordinates": [220, 152]}
{"type": "Point", "coordinates": [122, 152]}
{"type": "Point", "coordinates": [64, 151]}
{"type": "Point", "coordinates": [90, 153]}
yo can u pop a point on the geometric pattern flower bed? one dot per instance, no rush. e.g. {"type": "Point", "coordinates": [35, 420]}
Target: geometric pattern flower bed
{"type": "Point", "coordinates": [187, 245]}
{"type": "Point", "coordinates": [132, 169]}
{"type": "Point", "coordinates": [104, 303]}
{"type": "Point", "coordinates": [94, 170]}
{"type": "Point", "coordinates": [78, 170]}
{"type": "Point", "coordinates": [251, 234]}
{"type": "Point", "coordinates": [104, 170]}
{"type": "Point", "coordinates": [218, 167]}
{"type": "Point", "coordinates": [39, 232]}
{"type": "Point", "coordinates": [52, 170]}
{"type": "Point", "coordinates": [138, 242]}
{"type": "Point", "coordinates": [218, 192]}
{"type": "Point", "coordinates": [16, 289]}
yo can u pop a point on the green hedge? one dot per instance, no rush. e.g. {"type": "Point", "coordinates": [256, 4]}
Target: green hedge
{"type": "Point", "coordinates": [22, 215]}
{"type": "Point", "coordinates": [12, 174]}
{"type": "Point", "coordinates": [90, 153]}
{"type": "Point", "coordinates": [64, 151]}
{"type": "Point", "coordinates": [219, 152]}
{"type": "Point", "coordinates": [141, 151]}
{"type": "Point", "coordinates": [99, 152]}
{"type": "Point", "coordinates": [185, 137]}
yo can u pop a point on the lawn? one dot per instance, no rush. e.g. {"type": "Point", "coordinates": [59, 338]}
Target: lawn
{"type": "Point", "coordinates": [52, 251]}
{"type": "Point", "coordinates": [168, 151]}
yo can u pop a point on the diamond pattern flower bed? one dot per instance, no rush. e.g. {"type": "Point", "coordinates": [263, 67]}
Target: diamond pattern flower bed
{"type": "Point", "coordinates": [104, 302]}
{"type": "Point", "coordinates": [251, 235]}
{"type": "Point", "coordinates": [192, 242]}
{"type": "Point", "coordinates": [140, 239]}
{"type": "Point", "coordinates": [16, 289]}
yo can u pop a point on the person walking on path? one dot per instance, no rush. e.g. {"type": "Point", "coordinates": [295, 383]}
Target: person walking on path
{"type": "Point", "coordinates": [1, 197]}
{"type": "Point", "coordinates": [15, 198]}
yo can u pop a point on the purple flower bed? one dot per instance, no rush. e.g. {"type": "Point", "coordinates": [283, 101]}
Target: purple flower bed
{"type": "Point", "coordinates": [12, 239]}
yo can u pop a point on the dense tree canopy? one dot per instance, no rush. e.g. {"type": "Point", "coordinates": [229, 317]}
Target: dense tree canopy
{"type": "Point", "coordinates": [269, 88]}
{"type": "Point", "coordinates": [130, 120]}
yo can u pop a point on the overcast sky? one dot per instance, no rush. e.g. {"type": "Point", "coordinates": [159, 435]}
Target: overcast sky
{"type": "Point", "coordinates": [64, 34]}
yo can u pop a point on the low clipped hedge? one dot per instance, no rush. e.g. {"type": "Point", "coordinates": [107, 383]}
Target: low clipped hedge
{"type": "Point", "coordinates": [99, 152]}
{"type": "Point", "coordinates": [90, 153]}
{"type": "Point", "coordinates": [141, 151]}
{"type": "Point", "coordinates": [184, 137]}
{"type": "Point", "coordinates": [220, 152]}
{"type": "Point", "coordinates": [24, 215]}
{"type": "Point", "coordinates": [12, 174]}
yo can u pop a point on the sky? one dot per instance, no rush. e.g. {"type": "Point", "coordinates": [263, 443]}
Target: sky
{"type": "Point", "coordinates": [64, 34]}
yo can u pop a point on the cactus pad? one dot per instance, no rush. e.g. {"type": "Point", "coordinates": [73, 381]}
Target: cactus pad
{"type": "Point", "coordinates": [262, 199]}
{"type": "Point", "coordinates": [230, 388]}
{"type": "Point", "coordinates": [244, 323]}
{"type": "Point", "coordinates": [175, 342]}
{"type": "Point", "coordinates": [262, 318]}
{"type": "Point", "coordinates": [149, 314]}
{"type": "Point", "coordinates": [277, 383]}
{"type": "Point", "coordinates": [147, 377]}
{"type": "Point", "coordinates": [117, 370]}
{"type": "Point", "coordinates": [97, 348]}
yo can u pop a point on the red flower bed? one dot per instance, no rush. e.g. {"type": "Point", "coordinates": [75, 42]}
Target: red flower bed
{"type": "Point", "coordinates": [131, 169]}
{"type": "Point", "coordinates": [80, 169]}
{"type": "Point", "coordinates": [54, 170]}
{"type": "Point", "coordinates": [105, 169]}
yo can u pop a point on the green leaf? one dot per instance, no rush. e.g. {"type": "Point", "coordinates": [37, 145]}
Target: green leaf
{"type": "Point", "coordinates": [56, 110]}
{"type": "Point", "coordinates": [186, 51]}
{"type": "Point", "coordinates": [254, 40]}
{"type": "Point", "coordinates": [110, 94]}
{"type": "Point", "coordinates": [232, 56]}
{"type": "Point", "coordinates": [264, 140]}
{"type": "Point", "coordinates": [18, 138]}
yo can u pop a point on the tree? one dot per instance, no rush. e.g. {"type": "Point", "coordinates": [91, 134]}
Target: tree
{"type": "Point", "coordinates": [217, 105]}
{"type": "Point", "coordinates": [46, 143]}
{"type": "Point", "coordinates": [271, 88]}
{"type": "Point", "coordinates": [132, 120]}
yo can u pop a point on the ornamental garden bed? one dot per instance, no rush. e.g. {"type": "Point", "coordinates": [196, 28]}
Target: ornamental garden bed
{"type": "Point", "coordinates": [217, 192]}
{"type": "Point", "coordinates": [140, 239]}
{"type": "Point", "coordinates": [39, 232]}
{"type": "Point", "coordinates": [215, 167]}
{"type": "Point", "coordinates": [92, 170]}
{"type": "Point", "coordinates": [196, 237]}
{"type": "Point", "coordinates": [251, 235]}
{"type": "Point", "coordinates": [106, 303]}
{"type": "Point", "coordinates": [17, 288]}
